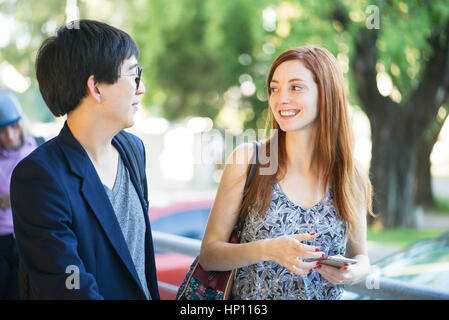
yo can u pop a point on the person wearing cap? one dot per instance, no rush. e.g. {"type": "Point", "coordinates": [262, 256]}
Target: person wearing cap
{"type": "Point", "coordinates": [15, 144]}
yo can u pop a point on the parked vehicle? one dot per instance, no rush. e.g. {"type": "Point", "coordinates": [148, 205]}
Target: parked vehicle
{"type": "Point", "coordinates": [187, 219]}
{"type": "Point", "coordinates": [425, 263]}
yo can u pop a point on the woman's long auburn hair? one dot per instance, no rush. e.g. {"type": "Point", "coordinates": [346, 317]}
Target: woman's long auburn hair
{"type": "Point", "coordinates": [334, 144]}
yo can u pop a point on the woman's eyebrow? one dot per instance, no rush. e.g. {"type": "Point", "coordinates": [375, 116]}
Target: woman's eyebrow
{"type": "Point", "coordinates": [296, 79]}
{"type": "Point", "coordinates": [291, 80]}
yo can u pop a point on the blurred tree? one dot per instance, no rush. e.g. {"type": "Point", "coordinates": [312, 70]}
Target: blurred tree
{"type": "Point", "coordinates": [32, 22]}
{"type": "Point", "coordinates": [418, 87]}
{"type": "Point", "coordinates": [424, 192]}
{"type": "Point", "coordinates": [396, 74]}
{"type": "Point", "coordinates": [211, 58]}
{"type": "Point", "coordinates": [195, 50]}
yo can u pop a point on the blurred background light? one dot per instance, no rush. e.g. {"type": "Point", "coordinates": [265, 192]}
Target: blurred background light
{"type": "Point", "coordinates": [176, 159]}
{"type": "Point", "coordinates": [155, 125]}
{"type": "Point", "coordinates": [199, 124]}
{"type": "Point", "coordinates": [12, 78]}
{"type": "Point", "coordinates": [269, 19]}
{"type": "Point", "coordinates": [384, 84]}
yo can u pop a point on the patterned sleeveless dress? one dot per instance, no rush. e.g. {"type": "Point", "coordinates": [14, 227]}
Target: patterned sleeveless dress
{"type": "Point", "coordinates": [268, 280]}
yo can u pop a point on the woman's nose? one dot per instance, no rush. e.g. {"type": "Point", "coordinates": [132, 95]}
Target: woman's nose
{"type": "Point", "coordinates": [284, 97]}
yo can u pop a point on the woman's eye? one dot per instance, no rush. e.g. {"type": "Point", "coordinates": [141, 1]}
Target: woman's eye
{"type": "Point", "coordinates": [273, 89]}
{"type": "Point", "coordinates": [297, 88]}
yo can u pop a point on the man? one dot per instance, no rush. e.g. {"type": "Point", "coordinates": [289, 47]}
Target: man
{"type": "Point", "coordinates": [80, 215]}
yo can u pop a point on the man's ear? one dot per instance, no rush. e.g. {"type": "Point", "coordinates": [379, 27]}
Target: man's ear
{"type": "Point", "coordinates": [92, 88]}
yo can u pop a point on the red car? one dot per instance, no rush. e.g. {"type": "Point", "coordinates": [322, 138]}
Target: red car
{"type": "Point", "coordinates": [187, 219]}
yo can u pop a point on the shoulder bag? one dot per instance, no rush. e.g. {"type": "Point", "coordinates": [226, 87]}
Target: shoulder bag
{"type": "Point", "coordinates": [200, 284]}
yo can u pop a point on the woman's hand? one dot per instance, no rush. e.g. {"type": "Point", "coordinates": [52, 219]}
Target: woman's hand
{"type": "Point", "coordinates": [348, 274]}
{"type": "Point", "coordinates": [286, 250]}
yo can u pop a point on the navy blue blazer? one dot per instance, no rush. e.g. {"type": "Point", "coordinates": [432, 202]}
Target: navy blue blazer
{"type": "Point", "coordinates": [64, 223]}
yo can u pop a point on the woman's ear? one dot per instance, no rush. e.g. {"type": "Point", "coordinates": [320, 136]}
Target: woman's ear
{"type": "Point", "coordinates": [92, 88]}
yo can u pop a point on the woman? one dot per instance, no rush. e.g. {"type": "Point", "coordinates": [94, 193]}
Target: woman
{"type": "Point", "coordinates": [15, 144]}
{"type": "Point", "coordinates": [313, 206]}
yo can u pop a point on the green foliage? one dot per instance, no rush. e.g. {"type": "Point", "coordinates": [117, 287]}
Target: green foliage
{"type": "Point", "coordinates": [199, 43]}
{"type": "Point", "coordinates": [33, 22]}
{"type": "Point", "coordinates": [194, 58]}
{"type": "Point", "coordinates": [441, 205]}
{"type": "Point", "coordinates": [194, 51]}
{"type": "Point", "coordinates": [400, 237]}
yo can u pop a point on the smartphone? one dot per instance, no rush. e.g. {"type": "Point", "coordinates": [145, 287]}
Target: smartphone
{"type": "Point", "coordinates": [336, 262]}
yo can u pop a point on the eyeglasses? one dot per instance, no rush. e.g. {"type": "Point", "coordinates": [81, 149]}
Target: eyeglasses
{"type": "Point", "coordinates": [138, 76]}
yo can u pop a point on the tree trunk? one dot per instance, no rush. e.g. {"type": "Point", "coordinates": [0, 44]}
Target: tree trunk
{"type": "Point", "coordinates": [392, 170]}
{"type": "Point", "coordinates": [424, 193]}
{"type": "Point", "coordinates": [397, 130]}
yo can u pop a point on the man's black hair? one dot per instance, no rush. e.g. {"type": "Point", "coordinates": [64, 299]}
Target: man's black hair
{"type": "Point", "coordinates": [81, 49]}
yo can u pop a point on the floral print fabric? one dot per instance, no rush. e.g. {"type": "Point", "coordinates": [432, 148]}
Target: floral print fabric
{"type": "Point", "coordinates": [268, 280]}
{"type": "Point", "coordinates": [193, 289]}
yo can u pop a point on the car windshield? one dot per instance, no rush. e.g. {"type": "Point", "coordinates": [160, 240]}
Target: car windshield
{"type": "Point", "coordinates": [425, 263]}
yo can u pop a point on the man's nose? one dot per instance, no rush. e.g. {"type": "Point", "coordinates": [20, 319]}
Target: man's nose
{"type": "Point", "coordinates": [141, 89]}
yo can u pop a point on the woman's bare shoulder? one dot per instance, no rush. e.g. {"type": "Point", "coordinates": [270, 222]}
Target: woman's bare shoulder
{"type": "Point", "coordinates": [242, 154]}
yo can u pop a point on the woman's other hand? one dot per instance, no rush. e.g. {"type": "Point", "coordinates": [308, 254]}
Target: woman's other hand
{"type": "Point", "coordinates": [347, 274]}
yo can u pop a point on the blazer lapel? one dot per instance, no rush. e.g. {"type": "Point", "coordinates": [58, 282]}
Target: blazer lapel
{"type": "Point", "coordinates": [93, 192]}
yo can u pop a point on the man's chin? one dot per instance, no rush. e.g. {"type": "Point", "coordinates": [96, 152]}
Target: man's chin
{"type": "Point", "coordinates": [126, 125]}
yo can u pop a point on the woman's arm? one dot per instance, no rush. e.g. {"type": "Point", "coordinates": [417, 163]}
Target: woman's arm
{"type": "Point", "coordinates": [220, 255]}
{"type": "Point", "coordinates": [355, 249]}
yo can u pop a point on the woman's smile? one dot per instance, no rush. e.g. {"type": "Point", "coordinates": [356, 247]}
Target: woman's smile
{"type": "Point", "coordinates": [289, 113]}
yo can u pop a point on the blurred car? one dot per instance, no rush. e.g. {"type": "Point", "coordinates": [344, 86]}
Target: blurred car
{"type": "Point", "coordinates": [186, 219]}
{"type": "Point", "coordinates": [424, 263]}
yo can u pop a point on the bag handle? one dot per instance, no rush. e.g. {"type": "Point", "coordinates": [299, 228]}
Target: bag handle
{"type": "Point", "coordinates": [253, 168]}
{"type": "Point", "coordinates": [235, 236]}
{"type": "Point", "coordinates": [135, 159]}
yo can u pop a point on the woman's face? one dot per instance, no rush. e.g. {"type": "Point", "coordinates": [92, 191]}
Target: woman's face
{"type": "Point", "coordinates": [10, 136]}
{"type": "Point", "coordinates": [294, 96]}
